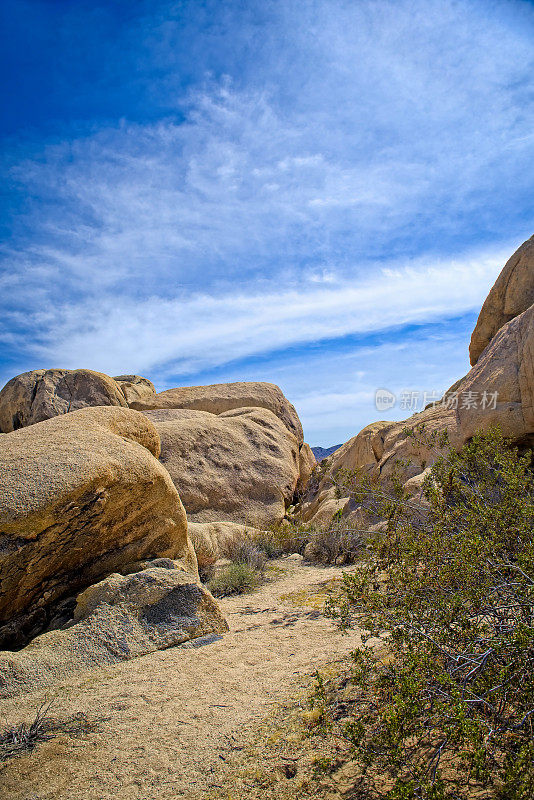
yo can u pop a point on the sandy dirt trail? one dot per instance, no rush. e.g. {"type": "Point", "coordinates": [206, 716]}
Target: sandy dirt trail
{"type": "Point", "coordinates": [166, 723]}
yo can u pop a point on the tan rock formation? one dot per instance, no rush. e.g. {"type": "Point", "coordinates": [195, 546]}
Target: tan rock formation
{"type": "Point", "coordinates": [381, 450]}
{"type": "Point", "coordinates": [400, 446]}
{"type": "Point", "coordinates": [135, 388]}
{"type": "Point", "coordinates": [498, 391]}
{"type": "Point", "coordinates": [320, 505]}
{"type": "Point", "coordinates": [221, 397]}
{"type": "Point", "coordinates": [241, 465]}
{"type": "Point", "coordinates": [41, 394]}
{"type": "Point", "coordinates": [80, 495]}
{"type": "Point", "coordinates": [363, 451]}
{"type": "Point", "coordinates": [501, 384]}
{"type": "Point", "coordinates": [367, 448]}
{"type": "Point", "coordinates": [512, 293]}
{"type": "Point", "coordinates": [117, 619]}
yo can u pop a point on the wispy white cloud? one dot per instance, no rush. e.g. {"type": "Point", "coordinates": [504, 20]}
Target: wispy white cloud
{"type": "Point", "coordinates": [334, 389]}
{"type": "Point", "coordinates": [194, 332]}
{"type": "Point", "coordinates": [367, 127]}
{"type": "Point", "coordinates": [364, 168]}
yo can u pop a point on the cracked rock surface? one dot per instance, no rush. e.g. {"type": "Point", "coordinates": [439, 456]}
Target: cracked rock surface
{"type": "Point", "coordinates": [44, 393]}
{"type": "Point", "coordinates": [117, 619]}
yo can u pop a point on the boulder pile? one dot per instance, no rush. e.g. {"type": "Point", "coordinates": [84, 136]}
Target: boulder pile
{"type": "Point", "coordinates": [96, 561]}
{"type": "Point", "coordinates": [221, 397]}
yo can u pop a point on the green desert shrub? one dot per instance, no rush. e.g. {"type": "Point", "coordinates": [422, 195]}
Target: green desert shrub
{"type": "Point", "coordinates": [243, 573]}
{"type": "Point", "coordinates": [445, 704]}
{"type": "Point", "coordinates": [234, 578]}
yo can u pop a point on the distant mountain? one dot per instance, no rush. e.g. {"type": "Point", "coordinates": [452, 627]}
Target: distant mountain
{"type": "Point", "coordinates": [323, 452]}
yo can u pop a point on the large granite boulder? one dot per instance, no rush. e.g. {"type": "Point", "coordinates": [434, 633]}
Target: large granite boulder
{"type": "Point", "coordinates": [240, 465]}
{"type": "Point", "coordinates": [221, 397]}
{"type": "Point", "coordinates": [117, 619]}
{"type": "Point", "coordinates": [500, 387]}
{"type": "Point", "coordinates": [512, 293]}
{"type": "Point", "coordinates": [135, 388]}
{"type": "Point", "coordinates": [80, 495]}
{"type": "Point", "coordinates": [44, 393]}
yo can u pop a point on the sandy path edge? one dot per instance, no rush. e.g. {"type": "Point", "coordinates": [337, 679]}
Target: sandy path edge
{"type": "Point", "coordinates": [166, 722]}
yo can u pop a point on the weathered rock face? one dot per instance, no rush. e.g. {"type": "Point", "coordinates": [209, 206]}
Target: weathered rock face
{"type": "Point", "coordinates": [367, 448]}
{"type": "Point", "coordinates": [382, 450]}
{"type": "Point", "coordinates": [307, 464]}
{"type": "Point", "coordinates": [42, 394]}
{"type": "Point", "coordinates": [512, 293]}
{"type": "Point", "coordinates": [364, 451]}
{"type": "Point", "coordinates": [221, 397]}
{"type": "Point", "coordinates": [241, 465]}
{"type": "Point", "coordinates": [135, 388]}
{"type": "Point", "coordinates": [400, 446]}
{"type": "Point", "coordinates": [117, 619]}
{"type": "Point", "coordinates": [505, 370]}
{"type": "Point", "coordinates": [320, 504]}
{"type": "Point", "coordinates": [80, 495]}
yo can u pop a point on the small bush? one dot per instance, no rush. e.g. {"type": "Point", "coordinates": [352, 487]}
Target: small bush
{"type": "Point", "coordinates": [337, 542]}
{"type": "Point", "coordinates": [282, 539]}
{"type": "Point", "coordinates": [235, 578]}
{"type": "Point", "coordinates": [446, 709]}
{"type": "Point", "coordinates": [243, 551]}
{"type": "Point", "coordinates": [23, 738]}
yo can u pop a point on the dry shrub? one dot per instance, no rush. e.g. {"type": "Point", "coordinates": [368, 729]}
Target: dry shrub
{"type": "Point", "coordinates": [284, 538]}
{"type": "Point", "coordinates": [245, 551]}
{"type": "Point", "coordinates": [23, 738]}
{"type": "Point", "coordinates": [337, 542]}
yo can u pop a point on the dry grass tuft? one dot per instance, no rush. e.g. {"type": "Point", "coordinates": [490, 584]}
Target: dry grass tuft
{"type": "Point", "coordinates": [23, 738]}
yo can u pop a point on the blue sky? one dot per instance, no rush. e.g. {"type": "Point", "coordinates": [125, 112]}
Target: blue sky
{"type": "Point", "coordinates": [316, 193]}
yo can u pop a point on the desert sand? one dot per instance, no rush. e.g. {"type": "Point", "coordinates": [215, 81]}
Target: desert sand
{"type": "Point", "coordinates": [164, 725]}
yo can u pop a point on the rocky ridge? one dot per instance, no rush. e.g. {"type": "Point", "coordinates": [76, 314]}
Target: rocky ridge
{"type": "Point", "coordinates": [499, 391]}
